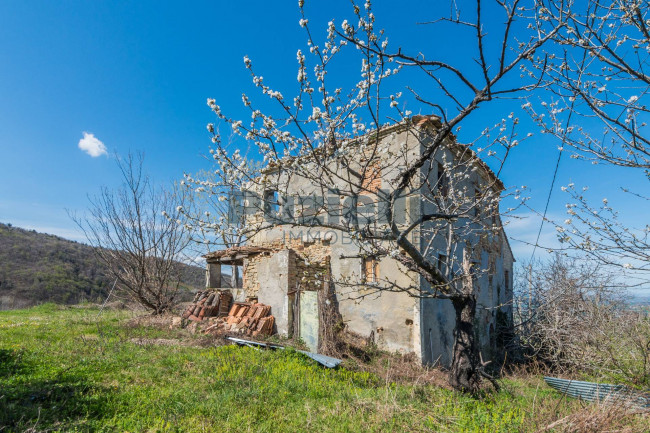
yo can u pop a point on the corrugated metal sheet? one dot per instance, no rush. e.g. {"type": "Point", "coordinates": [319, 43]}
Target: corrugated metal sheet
{"type": "Point", "coordinates": [600, 392]}
{"type": "Point", "coordinates": [250, 343]}
{"type": "Point", "coordinates": [324, 360]}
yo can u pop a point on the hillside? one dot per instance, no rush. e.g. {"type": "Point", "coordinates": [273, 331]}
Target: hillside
{"type": "Point", "coordinates": [38, 267]}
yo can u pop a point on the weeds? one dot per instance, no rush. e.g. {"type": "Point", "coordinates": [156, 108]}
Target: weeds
{"type": "Point", "coordinates": [58, 374]}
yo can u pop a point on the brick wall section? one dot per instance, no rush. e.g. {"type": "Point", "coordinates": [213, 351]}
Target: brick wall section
{"type": "Point", "coordinates": [371, 181]}
{"type": "Point", "coordinates": [251, 284]}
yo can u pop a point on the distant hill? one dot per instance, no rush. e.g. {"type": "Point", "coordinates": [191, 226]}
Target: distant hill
{"type": "Point", "coordinates": [640, 299]}
{"type": "Point", "coordinates": [38, 267]}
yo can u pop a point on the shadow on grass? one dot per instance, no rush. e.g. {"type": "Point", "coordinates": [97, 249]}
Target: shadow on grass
{"type": "Point", "coordinates": [13, 362]}
{"type": "Point", "coordinates": [33, 404]}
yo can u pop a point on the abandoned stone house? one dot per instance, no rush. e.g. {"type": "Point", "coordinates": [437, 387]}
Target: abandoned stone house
{"type": "Point", "coordinates": [287, 267]}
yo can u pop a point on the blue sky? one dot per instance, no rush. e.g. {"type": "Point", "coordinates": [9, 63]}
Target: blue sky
{"type": "Point", "coordinates": [136, 75]}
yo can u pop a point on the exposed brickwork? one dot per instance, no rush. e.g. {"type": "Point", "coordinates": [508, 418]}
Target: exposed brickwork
{"type": "Point", "coordinates": [307, 271]}
{"type": "Point", "coordinates": [371, 181]}
{"type": "Point", "coordinates": [251, 283]}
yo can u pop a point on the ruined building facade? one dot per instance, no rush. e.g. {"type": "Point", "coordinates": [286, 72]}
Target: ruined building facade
{"type": "Point", "coordinates": [293, 268]}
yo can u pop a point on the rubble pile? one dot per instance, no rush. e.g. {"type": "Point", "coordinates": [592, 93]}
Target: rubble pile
{"type": "Point", "coordinates": [246, 318]}
{"type": "Point", "coordinates": [209, 303]}
{"type": "Point", "coordinates": [214, 307]}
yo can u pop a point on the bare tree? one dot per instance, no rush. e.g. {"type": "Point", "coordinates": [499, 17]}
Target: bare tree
{"type": "Point", "coordinates": [330, 139]}
{"type": "Point", "coordinates": [136, 232]}
{"type": "Point", "coordinates": [572, 316]}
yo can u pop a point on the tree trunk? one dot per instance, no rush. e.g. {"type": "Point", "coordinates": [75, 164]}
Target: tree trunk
{"type": "Point", "coordinates": [465, 375]}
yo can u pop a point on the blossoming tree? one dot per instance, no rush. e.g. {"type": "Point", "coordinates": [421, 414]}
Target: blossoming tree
{"type": "Point", "coordinates": [595, 104]}
{"type": "Point", "coordinates": [332, 139]}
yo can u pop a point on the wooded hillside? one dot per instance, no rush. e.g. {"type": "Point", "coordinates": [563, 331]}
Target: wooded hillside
{"type": "Point", "coordinates": [38, 267]}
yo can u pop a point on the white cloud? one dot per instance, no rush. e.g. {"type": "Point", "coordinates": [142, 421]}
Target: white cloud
{"type": "Point", "coordinates": [92, 145]}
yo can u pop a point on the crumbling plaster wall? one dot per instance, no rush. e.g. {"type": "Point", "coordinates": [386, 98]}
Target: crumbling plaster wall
{"type": "Point", "coordinates": [273, 276]}
{"type": "Point", "coordinates": [392, 319]}
{"type": "Point", "coordinates": [397, 321]}
{"type": "Point", "coordinates": [493, 256]}
{"type": "Point", "coordinates": [388, 316]}
{"type": "Point", "coordinates": [274, 272]}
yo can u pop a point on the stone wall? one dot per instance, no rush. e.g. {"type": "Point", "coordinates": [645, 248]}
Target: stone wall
{"type": "Point", "coordinates": [312, 264]}
{"type": "Point", "coordinates": [308, 271]}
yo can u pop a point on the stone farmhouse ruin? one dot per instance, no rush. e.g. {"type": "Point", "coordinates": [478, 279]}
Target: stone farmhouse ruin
{"type": "Point", "coordinates": [299, 271]}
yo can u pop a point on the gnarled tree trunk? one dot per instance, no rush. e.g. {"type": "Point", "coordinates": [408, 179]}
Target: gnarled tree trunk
{"type": "Point", "coordinates": [465, 365]}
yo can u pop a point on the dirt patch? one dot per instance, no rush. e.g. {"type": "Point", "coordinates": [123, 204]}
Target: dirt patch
{"type": "Point", "coordinates": [159, 322]}
{"type": "Point", "coordinates": [159, 342]}
{"type": "Point", "coordinates": [198, 343]}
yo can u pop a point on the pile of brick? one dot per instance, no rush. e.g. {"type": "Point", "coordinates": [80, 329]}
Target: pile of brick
{"type": "Point", "coordinates": [209, 303]}
{"type": "Point", "coordinates": [246, 318]}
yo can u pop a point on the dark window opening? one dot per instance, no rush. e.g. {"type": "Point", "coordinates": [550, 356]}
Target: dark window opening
{"type": "Point", "coordinates": [442, 264]}
{"type": "Point", "coordinates": [442, 181]}
{"type": "Point", "coordinates": [271, 203]}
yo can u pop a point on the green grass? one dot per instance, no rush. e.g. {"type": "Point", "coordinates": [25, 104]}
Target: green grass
{"type": "Point", "coordinates": [68, 369]}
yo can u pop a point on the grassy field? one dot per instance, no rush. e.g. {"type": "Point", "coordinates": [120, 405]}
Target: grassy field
{"type": "Point", "coordinates": [72, 369]}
